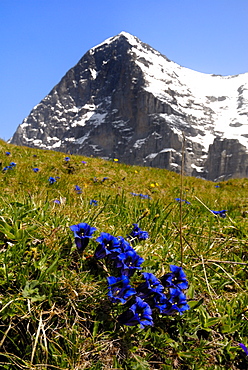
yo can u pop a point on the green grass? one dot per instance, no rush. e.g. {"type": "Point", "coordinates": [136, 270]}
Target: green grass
{"type": "Point", "coordinates": [54, 310]}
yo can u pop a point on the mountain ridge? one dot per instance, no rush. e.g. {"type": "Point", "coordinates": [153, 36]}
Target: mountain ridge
{"type": "Point", "coordinates": [124, 99]}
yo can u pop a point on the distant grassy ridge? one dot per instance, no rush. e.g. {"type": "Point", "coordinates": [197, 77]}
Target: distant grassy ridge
{"type": "Point", "coordinates": [54, 308]}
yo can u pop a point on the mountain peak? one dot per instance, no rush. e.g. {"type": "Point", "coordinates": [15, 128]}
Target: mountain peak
{"type": "Point", "coordinates": [126, 100]}
{"type": "Point", "coordinates": [132, 40]}
{"type": "Point", "coordinates": [128, 35]}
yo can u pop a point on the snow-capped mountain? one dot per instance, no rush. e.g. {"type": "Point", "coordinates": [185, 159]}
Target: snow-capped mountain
{"type": "Point", "coordinates": [126, 100]}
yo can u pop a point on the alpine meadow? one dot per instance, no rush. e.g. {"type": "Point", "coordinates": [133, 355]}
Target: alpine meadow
{"type": "Point", "coordinates": [105, 265]}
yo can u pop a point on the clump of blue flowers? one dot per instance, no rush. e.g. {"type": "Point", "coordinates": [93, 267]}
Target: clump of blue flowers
{"type": "Point", "coordinates": [10, 167]}
{"type": "Point", "coordinates": [145, 296]}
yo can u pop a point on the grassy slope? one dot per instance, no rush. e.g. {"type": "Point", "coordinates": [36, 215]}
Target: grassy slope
{"type": "Point", "coordinates": [54, 310]}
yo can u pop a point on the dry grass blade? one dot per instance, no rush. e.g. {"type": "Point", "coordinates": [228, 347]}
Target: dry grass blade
{"type": "Point", "coordinates": [205, 206]}
{"type": "Point", "coordinates": [36, 338]}
{"type": "Point", "coordinates": [208, 285]}
{"type": "Point", "coordinates": [235, 282]}
{"type": "Point", "coordinates": [5, 334]}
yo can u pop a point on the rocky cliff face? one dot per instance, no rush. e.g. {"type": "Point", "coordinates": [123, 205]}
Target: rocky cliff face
{"type": "Point", "coordinates": [124, 99]}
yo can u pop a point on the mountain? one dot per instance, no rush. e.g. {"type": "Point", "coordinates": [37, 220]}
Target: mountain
{"type": "Point", "coordinates": [125, 100]}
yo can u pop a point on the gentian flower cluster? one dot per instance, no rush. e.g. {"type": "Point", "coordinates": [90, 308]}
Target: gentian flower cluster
{"type": "Point", "coordinates": [150, 295]}
{"type": "Point", "coordinates": [152, 291]}
{"type": "Point", "coordinates": [10, 167]}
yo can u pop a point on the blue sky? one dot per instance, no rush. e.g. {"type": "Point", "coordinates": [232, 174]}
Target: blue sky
{"type": "Point", "coordinates": [42, 39]}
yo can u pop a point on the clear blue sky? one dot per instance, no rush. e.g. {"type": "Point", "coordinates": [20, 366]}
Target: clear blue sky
{"type": "Point", "coordinates": [42, 39]}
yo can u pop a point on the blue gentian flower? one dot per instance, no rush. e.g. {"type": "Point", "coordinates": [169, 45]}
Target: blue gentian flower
{"type": "Point", "coordinates": [158, 300]}
{"type": "Point", "coordinates": [52, 180]}
{"type": "Point", "coordinates": [244, 348]}
{"type": "Point", "coordinates": [56, 201]}
{"type": "Point", "coordinates": [178, 302]}
{"type": "Point", "coordinates": [149, 286]}
{"type": "Point", "coordinates": [82, 233]}
{"type": "Point", "coordinates": [108, 245]}
{"type": "Point", "coordinates": [94, 202]}
{"type": "Point", "coordinates": [175, 279]}
{"type": "Point", "coordinates": [139, 313]}
{"type": "Point", "coordinates": [124, 245]}
{"type": "Point", "coordinates": [104, 179]}
{"type": "Point", "coordinates": [182, 200]}
{"type": "Point", "coordinates": [77, 189]}
{"type": "Point", "coordinates": [161, 302]}
{"type": "Point", "coordinates": [165, 306]}
{"type": "Point", "coordinates": [220, 213]}
{"type": "Point", "coordinates": [84, 162]}
{"type": "Point", "coordinates": [67, 159]}
{"type": "Point", "coordinates": [35, 169]}
{"type": "Point", "coordinates": [119, 289]}
{"type": "Point", "coordinates": [12, 164]}
{"type": "Point", "coordinates": [129, 262]}
{"type": "Point", "coordinates": [7, 153]}
{"type": "Point", "coordinates": [144, 196]}
{"type": "Point", "coordinates": [138, 233]}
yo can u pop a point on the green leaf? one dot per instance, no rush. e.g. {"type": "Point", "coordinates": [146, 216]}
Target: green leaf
{"type": "Point", "coordinates": [31, 291]}
{"type": "Point", "coordinates": [195, 304]}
